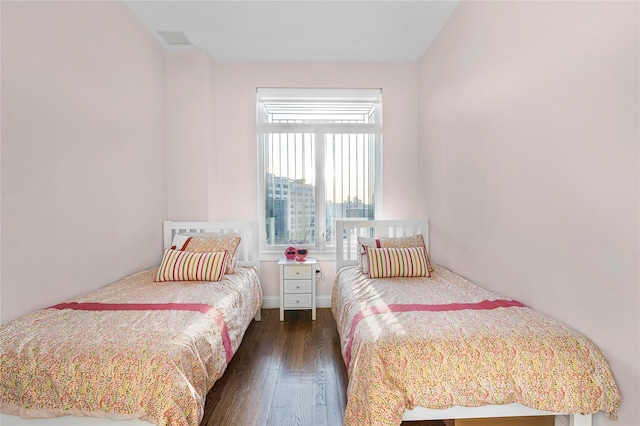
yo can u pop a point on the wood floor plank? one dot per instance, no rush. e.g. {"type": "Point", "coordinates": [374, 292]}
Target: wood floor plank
{"type": "Point", "coordinates": [284, 373]}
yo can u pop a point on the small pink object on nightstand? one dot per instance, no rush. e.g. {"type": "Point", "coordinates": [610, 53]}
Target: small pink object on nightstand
{"type": "Point", "coordinates": [302, 254]}
{"type": "Point", "coordinates": [291, 253]}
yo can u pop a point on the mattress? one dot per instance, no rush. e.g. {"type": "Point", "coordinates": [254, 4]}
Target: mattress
{"type": "Point", "coordinates": [133, 349]}
{"type": "Point", "coordinates": [442, 341]}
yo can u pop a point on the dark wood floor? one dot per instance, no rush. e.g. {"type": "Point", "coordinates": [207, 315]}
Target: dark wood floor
{"type": "Point", "coordinates": [284, 373]}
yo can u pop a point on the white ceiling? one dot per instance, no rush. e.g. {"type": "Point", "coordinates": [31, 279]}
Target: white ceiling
{"type": "Point", "coordinates": [304, 30]}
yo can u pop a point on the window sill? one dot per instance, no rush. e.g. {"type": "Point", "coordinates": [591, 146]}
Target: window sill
{"type": "Point", "coordinates": [274, 256]}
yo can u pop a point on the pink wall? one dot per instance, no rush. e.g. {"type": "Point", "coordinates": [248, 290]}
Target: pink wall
{"type": "Point", "coordinates": [236, 167]}
{"type": "Point", "coordinates": [190, 125]}
{"type": "Point", "coordinates": [529, 125]}
{"type": "Point", "coordinates": [83, 158]}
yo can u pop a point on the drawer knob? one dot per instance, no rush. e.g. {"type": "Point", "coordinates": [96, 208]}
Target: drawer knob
{"type": "Point", "coordinates": [297, 287]}
{"type": "Point", "coordinates": [297, 301]}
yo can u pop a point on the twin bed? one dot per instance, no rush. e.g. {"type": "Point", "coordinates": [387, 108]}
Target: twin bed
{"type": "Point", "coordinates": [418, 341]}
{"type": "Point", "coordinates": [148, 347]}
{"type": "Point", "coordinates": [422, 343]}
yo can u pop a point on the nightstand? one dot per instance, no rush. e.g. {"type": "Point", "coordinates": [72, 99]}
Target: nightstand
{"type": "Point", "coordinates": [298, 285]}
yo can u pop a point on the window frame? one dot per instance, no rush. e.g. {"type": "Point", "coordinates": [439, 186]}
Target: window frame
{"type": "Point", "coordinates": [320, 130]}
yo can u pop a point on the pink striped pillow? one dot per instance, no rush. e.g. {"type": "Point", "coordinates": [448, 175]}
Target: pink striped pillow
{"type": "Point", "coordinates": [390, 262]}
{"type": "Point", "coordinates": [180, 265]}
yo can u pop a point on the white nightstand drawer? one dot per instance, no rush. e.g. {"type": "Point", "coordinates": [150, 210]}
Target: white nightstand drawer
{"type": "Point", "coordinates": [297, 286]}
{"type": "Point", "coordinates": [297, 300]}
{"type": "Point", "coordinates": [297, 272]}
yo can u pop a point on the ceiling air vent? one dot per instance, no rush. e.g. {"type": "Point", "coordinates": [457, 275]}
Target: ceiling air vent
{"type": "Point", "coordinates": [175, 38]}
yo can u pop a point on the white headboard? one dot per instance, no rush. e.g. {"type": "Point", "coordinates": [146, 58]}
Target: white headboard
{"type": "Point", "coordinates": [248, 250]}
{"type": "Point", "coordinates": [347, 250]}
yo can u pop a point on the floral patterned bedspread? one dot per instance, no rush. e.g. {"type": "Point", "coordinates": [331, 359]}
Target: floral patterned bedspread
{"type": "Point", "coordinates": [156, 365]}
{"type": "Point", "coordinates": [438, 358]}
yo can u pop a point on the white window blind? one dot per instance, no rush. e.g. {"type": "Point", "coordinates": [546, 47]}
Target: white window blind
{"type": "Point", "coordinates": [319, 161]}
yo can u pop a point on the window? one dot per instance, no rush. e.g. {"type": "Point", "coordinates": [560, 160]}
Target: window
{"type": "Point", "coordinates": [320, 160]}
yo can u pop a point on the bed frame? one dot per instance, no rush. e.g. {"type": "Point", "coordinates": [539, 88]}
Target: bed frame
{"type": "Point", "coordinates": [347, 252]}
{"type": "Point", "coordinates": [248, 255]}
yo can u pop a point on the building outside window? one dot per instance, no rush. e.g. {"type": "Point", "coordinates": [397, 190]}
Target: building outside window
{"type": "Point", "coordinates": [320, 160]}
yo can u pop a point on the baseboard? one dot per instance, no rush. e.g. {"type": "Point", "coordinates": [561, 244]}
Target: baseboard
{"type": "Point", "coordinates": [323, 301]}
{"type": "Point", "coordinates": [270, 302]}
